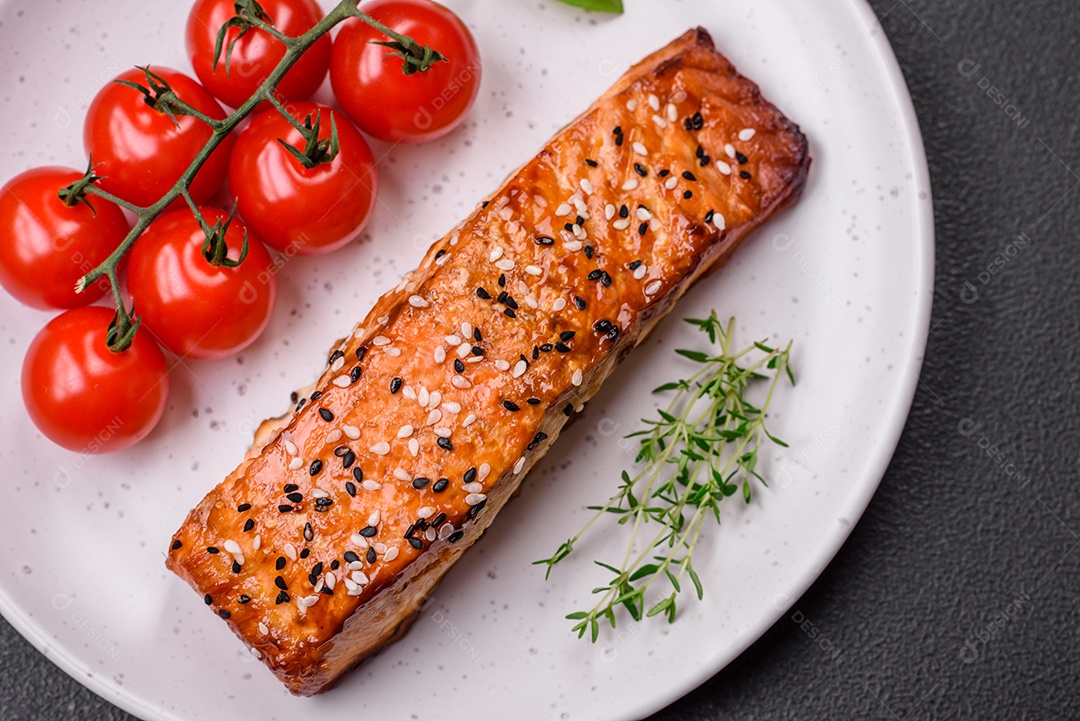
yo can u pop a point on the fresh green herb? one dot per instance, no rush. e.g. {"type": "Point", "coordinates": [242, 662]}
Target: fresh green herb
{"type": "Point", "coordinates": [703, 448]}
{"type": "Point", "coordinates": [600, 6]}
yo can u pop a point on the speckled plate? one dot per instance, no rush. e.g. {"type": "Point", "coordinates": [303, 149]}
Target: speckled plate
{"type": "Point", "coordinates": [847, 273]}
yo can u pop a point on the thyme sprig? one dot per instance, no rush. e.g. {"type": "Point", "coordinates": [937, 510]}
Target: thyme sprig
{"type": "Point", "coordinates": [703, 448]}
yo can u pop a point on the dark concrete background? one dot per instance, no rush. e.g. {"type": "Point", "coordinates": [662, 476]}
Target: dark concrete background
{"type": "Point", "coordinates": [956, 596]}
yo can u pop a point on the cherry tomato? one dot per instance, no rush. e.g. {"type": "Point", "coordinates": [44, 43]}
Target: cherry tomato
{"type": "Point", "coordinates": [301, 211]}
{"type": "Point", "coordinates": [257, 53]}
{"type": "Point", "coordinates": [141, 151]}
{"type": "Point", "coordinates": [194, 308]}
{"type": "Point", "coordinates": [46, 245]}
{"type": "Point", "coordinates": [85, 397]}
{"type": "Point", "coordinates": [393, 106]}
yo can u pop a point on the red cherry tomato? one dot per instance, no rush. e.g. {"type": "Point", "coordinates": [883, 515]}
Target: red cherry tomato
{"type": "Point", "coordinates": [257, 53]}
{"type": "Point", "coordinates": [295, 209]}
{"type": "Point", "coordinates": [85, 397]}
{"type": "Point", "coordinates": [393, 106]}
{"type": "Point", "coordinates": [45, 245]}
{"type": "Point", "coordinates": [194, 308]}
{"type": "Point", "coordinates": [141, 152]}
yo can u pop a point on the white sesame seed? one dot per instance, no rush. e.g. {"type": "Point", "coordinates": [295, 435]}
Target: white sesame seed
{"type": "Point", "coordinates": [576, 379]}
{"type": "Point", "coordinates": [393, 352]}
{"type": "Point", "coordinates": [331, 580]}
{"type": "Point", "coordinates": [474, 498]}
{"type": "Point", "coordinates": [359, 541]}
{"type": "Point", "coordinates": [232, 547]}
{"type": "Point", "coordinates": [414, 447]}
{"type": "Point", "coordinates": [640, 271]}
{"type": "Point", "coordinates": [621, 224]}
{"type": "Point", "coordinates": [426, 512]}
{"type": "Point", "coordinates": [409, 392]}
{"type": "Point", "coordinates": [342, 381]}
{"type": "Point", "coordinates": [351, 432]}
{"type": "Point", "coordinates": [573, 246]}
{"type": "Point", "coordinates": [405, 431]}
{"type": "Point", "coordinates": [417, 302]}
{"type": "Point", "coordinates": [263, 629]}
{"type": "Point", "coordinates": [505, 264]}
{"type": "Point", "coordinates": [559, 304]}
{"type": "Point", "coordinates": [445, 531]}
{"type": "Point", "coordinates": [672, 112]}
{"type": "Point", "coordinates": [291, 448]}
{"type": "Point", "coordinates": [724, 167]}
{"type": "Point", "coordinates": [440, 354]}
{"type": "Point", "coordinates": [460, 382]}
{"type": "Point", "coordinates": [463, 350]}
{"type": "Point", "coordinates": [719, 221]}
{"type": "Point", "coordinates": [729, 149]}
{"type": "Point", "coordinates": [337, 365]}
{"type": "Point", "coordinates": [639, 148]}
{"type": "Point", "coordinates": [379, 547]}
{"type": "Point", "coordinates": [519, 465]}
{"type": "Point", "coordinates": [381, 448]}
{"type": "Point", "coordinates": [496, 253]}
{"type": "Point", "coordinates": [631, 105]}
{"type": "Point", "coordinates": [429, 534]}
{"type": "Point", "coordinates": [531, 302]}
{"type": "Point", "coordinates": [453, 340]}
{"type": "Point", "coordinates": [380, 340]}
{"type": "Point", "coordinates": [580, 233]}
{"type": "Point", "coordinates": [383, 320]}
{"type": "Point", "coordinates": [333, 436]}
{"type": "Point", "coordinates": [586, 185]}
{"type": "Point", "coordinates": [352, 588]}
{"type": "Point", "coordinates": [256, 544]}
{"type": "Point", "coordinates": [255, 652]}
{"type": "Point", "coordinates": [630, 184]}
{"type": "Point", "coordinates": [434, 417]}
{"type": "Point", "coordinates": [747, 134]}
{"type": "Point", "coordinates": [473, 487]}
{"type": "Point", "coordinates": [402, 475]}
{"type": "Point", "coordinates": [483, 471]}
{"type": "Point", "coordinates": [671, 182]}
{"type": "Point", "coordinates": [290, 551]}
{"type": "Point", "coordinates": [435, 399]}
{"type": "Point", "coordinates": [563, 209]}
{"type": "Point", "coordinates": [371, 485]}
{"type": "Point", "coordinates": [442, 259]}
{"type": "Point", "coordinates": [654, 102]}
{"type": "Point", "coordinates": [359, 578]}
{"type": "Point", "coordinates": [296, 463]}
{"type": "Point", "coordinates": [319, 493]}
{"type": "Point", "coordinates": [390, 554]}
{"type": "Point", "coordinates": [644, 214]}
{"type": "Point", "coordinates": [469, 420]}
{"type": "Point", "coordinates": [502, 365]}
{"type": "Point", "coordinates": [609, 211]}
{"type": "Point", "coordinates": [519, 368]}
{"type": "Point", "coordinates": [533, 270]}
{"type": "Point", "coordinates": [452, 407]}
{"type": "Point", "coordinates": [443, 432]}
{"type": "Point", "coordinates": [660, 122]}
{"type": "Point", "coordinates": [651, 288]}
{"type": "Point", "coordinates": [422, 396]}
{"type": "Point", "coordinates": [374, 518]}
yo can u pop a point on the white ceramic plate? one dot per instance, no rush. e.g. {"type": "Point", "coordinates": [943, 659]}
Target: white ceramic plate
{"type": "Point", "coordinates": [847, 273]}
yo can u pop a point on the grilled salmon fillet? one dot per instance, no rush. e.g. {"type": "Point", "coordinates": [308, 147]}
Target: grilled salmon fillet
{"type": "Point", "coordinates": [320, 548]}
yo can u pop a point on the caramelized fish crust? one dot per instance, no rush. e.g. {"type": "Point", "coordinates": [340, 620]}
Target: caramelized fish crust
{"type": "Point", "coordinates": [320, 548]}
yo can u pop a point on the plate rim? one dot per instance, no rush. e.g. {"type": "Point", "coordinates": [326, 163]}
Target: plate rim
{"type": "Point", "coordinates": [853, 510]}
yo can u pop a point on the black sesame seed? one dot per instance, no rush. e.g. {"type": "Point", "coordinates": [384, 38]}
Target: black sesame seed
{"type": "Point", "coordinates": [243, 507]}
{"type": "Point", "coordinates": [705, 160]}
{"type": "Point", "coordinates": [613, 333]}
{"type": "Point", "coordinates": [511, 302]}
{"type": "Point", "coordinates": [476, 335]}
{"type": "Point", "coordinates": [244, 599]}
{"type": "Point", "coordinates": [503, 295]}
{"type": "Point", "coordinates": [602, 326]}
{"type": "Point", "coordinates": [502, 280]}
{"type": "Point", "coordinates": [470, 475]}
{"type": "Point", "coordinates": [687, 195]}
{"type": "Point", "coordinates": [567, 335]}
{"type": "Point", "coordinates": [640, 169]}
{"type": "Point", "coordinates": [358, 474]}
{"type": "Point", "coordinates": [511, 406]}
{"type": "Point", "coordinates": [350, 487]}
{"type": "Point", "coordinates": [248, 525]}
{"type": "Point", "coordinates": [709, 216]}
{"type": "Point", "coordinates": [591, 163]}
{"type": "Point", "coordinates": [370, 555]}
{"type": "Point", "coordinates": [484, 204]}
{"type": "Point", "coordinates": [361, 352]}
{"type": "Point", "coordinates": [368, 531]}
{"type": "Point", "coordinates": [305, 553]}
{"type": "Point", "coordinates": [688, 124]}
{"type": "Point", "coordinates": [279, 581]}
{"type": "Point", "coordinates": [290, 487]}
{"type": "Point", "coordinates": [624, 211]}
{"type": "Point", "coordinates": [634, 265]}
{"type": "Point", "coordinates": [568, 227]}
{"type": "Point", "coordinates": [316, 466]}
{"type": "Point", "coordinates": [546, 348]}
{"type": "Point", "coordinates": [334, 356]}
{"type": "Point", "coordinates": [643, 228]}
{"type": "Point", "coordinates": [295, 497]}
{"type": "Point", "coordinates": [212, 550]}
{"type": "Point", "coordinates": [481, 293]}
{"type": "Point", "coordinates": [284, 508]}
{"type": "Point", "coordinates": [477, 508]}
{"type": "Point", "coordinates": [280, 563]}
{"type": "Point", "coordinates": [335, 565]}
{"type": "Point", "coordinates": [510, 313]}
{"type": "Point", "coordinates": [348, 459]}
{"type": "Point", "coordinates": [411, 529]}
{"type": "Point", "coordinates": [445, 444]}
{"type": "Point", "coordinates": [317, 569]}
{"type": "Point", "coordinates": [605, 279]}
{"type": "Point", "coordinates": [456, 535]}
{"type": "Point", "coordinates": [459, 366]}
{"type": "Point", "coordinates": [741, 158]}
{"type": "Point", "coordinates": [699, 152]}
{"type": "Point", "coordinates": [545, 240]}
{"type": "Point", "coordinates": [744, 175]}
{"type": "Point", "coordinates": [300, 404]}
{"type": "Point", "coordinates": [539, 438]}
{"type": "Point", "coordinates": [595, 275]}
{"type": "Point", "coordinates": [341, 451]}
{"type": "Point", "coordinates": [421, 482]}
{"type": "Point", "coordinates": [579, 302]}
{"type": "Point", "coordinates": [176, 545]}
{"type": "Point", "coordinates": [698, 121]}
{"type": "Point", "coordinates": [589, 251]}
{"type": "Point", "coordinates": [316, 395]}
{"type": "Point", "coordinates": [354, 375]}
{"type": "Point", "coordinates": [618, 140]}
{"type": "Point", "coordinates": [416, 543]}
{"type": "Point", "coordinates": [281, 598]}
{"type": "Point", "coordinates": [395, 385]}
{"type": "Point", "coordinates": [351, 557]}
{"type": "Point", "coordinates": [327, 591]}
{"type": "Point", "coordinates": [617, 130]}
{"type": "Point", "coordinates": [224, 614]}
{"type": "Point", "coordinates": [326, 414]}
{"type": "Point", "coordinates": [440, 253]}
{"type": "Point", "coordinates": [562, 347]}
{"type": "Point", "coordinates": [664, 173]}
{"type": "Point", "coordinates": [309, 534]}
{"type": "Point", "coordinates": [322, 504]}
{"type": "Point", "coordinates": [568, 410]}
{"type": "Point", "coordinates": [579, 220]}
{"type": "Point", "coordinates": [440, 485]}
{"type": "Point", "coordinates": [294, 397]}
{"type": "Point", "coordinates": [688, 175]}
{"type": "Point", "coordinates": [533, 401]}
{"type": "Point", "coordinates": [208, 600]}
{"type": "Point", "coordinates": [536, 352]}
{"type": "Point", "coordinates": [477, 350]}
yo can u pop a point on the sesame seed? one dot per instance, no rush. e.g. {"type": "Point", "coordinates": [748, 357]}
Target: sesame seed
{"type": "Point", "coordinates": [743, 160]}
{"type": "Point", "coordinates": [341, 381]}
{"type": "Point", "coordinates": [176, 545]}
{"type": "Point", "coordinates": [460, 382]}
{"type": "Point", "coordinates": [687, 195]}
{"type": "Point", "coordinates": [326, 414]}
{"type": "Point", "coordinates": [532, 270]}
{"type": "Point", "coordinates": [335, 356]}
{"type": "Point", "coordinates": [475, 498]}
{"type": "Point", "coordinates": [208, 600]}
{"type": "Point", "coordinates": [505, 264]}
{"type": "Point", "coordinates": [519, 465]}
{"type": "Point", "coordinates": [483, 471]}
{"type": "Point", "coordinates": [434, 417]}
{"type": "Point", "coordinates": [586, 185]}
{"type": "Point", "coordinates": [212, 550]}
{"type": "Point", "coordinates": [333, 436]}
{"type": "Point", "coordinates": [495, 253]}
{"type": "Point", "coordinates": [640, 169]}
{"type": "Point", "coordinates": [744, 175]}
{"type": "Point", "coordinates": [473, 487]}
{"type": "Point", "coordinates": [672, 112]}
{"type": "Point", "coordinates": [296, 463]}
{"type": "Point", "coordinates": [351, 432]}
{"type": "Point", "coordinates": [563, 209]}
{"type": "Point", "coordinates": [440, 485]}
{"type": "Point", "coordinates": [393, 352]}
{"type": "Point", "coordinates": [511, 406]}
{"type": "Point", "coordinates": [281, 598]}
{"type": "Point", "coordinates": [688, 175]}
{"type": "Point", "coordinates": [651, 288]}
{"type": "Point", "coordinates": [368, 531]}
{"type": "Point", "coordinates": [724, 168]}
{"type": "Point", "coordinates": [631, 105]}
{"type": "Point", "coordinates": [671, 182]}
{"type": "Point", "coordinates": [558, 305]}
{"type": "Point", "coordinates": [316, 466]}
{"type": "Point", "coordinates": [654, 102]}
{"type": "Point", "coordinates": [426, 512]}
{"type": "Point", "coordinates": [747, 134]}
{"type": "Point", "coordinates": [291, 448]}
{"type": "Point", "coordinates": [639, 148]}
{"type": "Point", "coordinates": [414, 447]}
{"type": "Point", "coordinates": [640, 272]}
{"type": "Point", "coordinates": [381, 448]}
{"type": "Point", "coordinates": [469, 420]}
{"type": "Point", "coordinates": [370, 485]}
{"type": "Point", "coordinates": [380, 340]}
{"type": "Point", "coordinates": [545, 240]}
{"type": "Point", "coordinates": [697, 122]}
{"type": "Point", "coordinates": [576, 379]}
{"type": "Point", "coordinates": [660, 122]}
{"type": "Point", "coordinates": [290, 551]}
{"type": "Point", "coordinates": [419, 483]}
{"type": "Point", "coordinates": [643, 213]}
{"type": "Point", "coordinates": [643, 228]}
{"type": "Point", "coordinates": [630, 184]}
{"type": "Point", "coordinates": [573, 246]}
{"type": "Point", "coordinates": [418, 302]}
{"type": "Point", "coordinates": [248, 525]}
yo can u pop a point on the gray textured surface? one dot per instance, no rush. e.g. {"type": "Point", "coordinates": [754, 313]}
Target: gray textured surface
{"type": "Point", "coordinates": [956, 595]}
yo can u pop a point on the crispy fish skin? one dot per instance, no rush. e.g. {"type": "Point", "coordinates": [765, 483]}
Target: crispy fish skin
{"type": "Point", "coordinates": [347, 512]}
